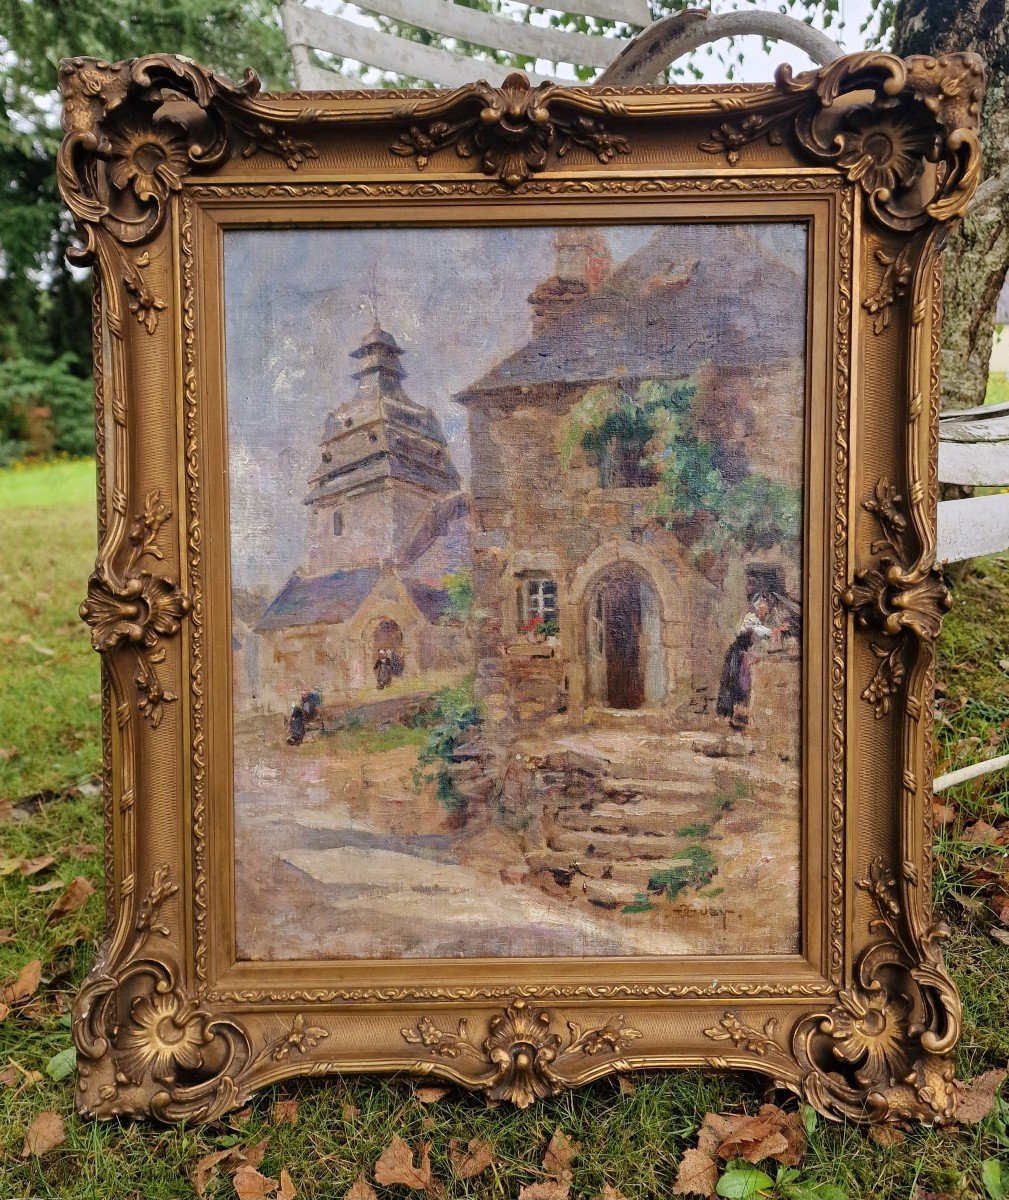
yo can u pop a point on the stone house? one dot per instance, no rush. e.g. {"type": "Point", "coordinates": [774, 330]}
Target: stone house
{"type": "Point", "coordinates": [570, 541]}
{"type": "Point", "coordinates": [387, 522]}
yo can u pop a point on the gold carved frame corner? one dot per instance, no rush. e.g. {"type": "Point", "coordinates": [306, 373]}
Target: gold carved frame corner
{"type": "Point", "coordinates": [159, 155]}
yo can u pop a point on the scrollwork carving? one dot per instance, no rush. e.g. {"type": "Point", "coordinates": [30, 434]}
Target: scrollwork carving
{"type": "Point", "coordinates": [511, 130]}
{"type": "Point", "coordinates": [146, 1045]}
{"type": "Point", "coordinates": [138, 608]}
{"type": "Point", "coordinates": [114, 114]}
{"type": "Point", "coordinates": [881, 1052]}
{"type": "Point", "coordinates": [882, 120]}
{"type": "Point", "coordinates": [518, 1060]}
{"type": "Point", "coordinates": [897, 597]}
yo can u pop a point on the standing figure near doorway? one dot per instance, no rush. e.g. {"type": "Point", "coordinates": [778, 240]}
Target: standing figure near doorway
{"type": "Point", "coordinates": [383, 669]}
{"type": "Point", "coordinates": [735, 684]}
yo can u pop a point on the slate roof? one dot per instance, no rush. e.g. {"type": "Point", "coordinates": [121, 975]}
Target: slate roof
{"type": "Point", "coordinates": [691, 293]}
{"type": "Point", "coordinates": [330, 598]}
{"type": "Point", "coordinates": [336, 597]}
{"type": "Point", "coordinates": [432, 602]}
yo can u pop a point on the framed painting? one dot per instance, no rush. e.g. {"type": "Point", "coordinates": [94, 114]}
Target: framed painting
{"type": "Point", "coordinates": [516, 585]}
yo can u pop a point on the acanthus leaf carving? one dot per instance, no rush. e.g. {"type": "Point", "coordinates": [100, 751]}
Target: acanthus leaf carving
{"type": "Point", "coordinates": [899, 597]}
{"type": "Point", "coordinates": [521, 1059]}
{"type": "Point", "coordinates": [881, 1051]}
{"type": "Point", "coordinates": [883, 121]}
{"type": "Point", "coordinates": [146, 1045]}
{"type": "Point", "coordinates": [511, 130]}
{"type": "Point", "coordinates": [137, 608]}
{"type": "Point", "coordinates": [113, 114]}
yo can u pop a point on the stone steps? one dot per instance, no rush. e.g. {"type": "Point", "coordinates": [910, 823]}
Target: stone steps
{"type": "Point", "coordinates": [614, 847]}
{"type": "Point", "coordinates": [643, 815]}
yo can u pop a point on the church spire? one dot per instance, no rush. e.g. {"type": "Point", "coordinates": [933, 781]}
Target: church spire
{"type": "Point", "coordinates": [380, 367]}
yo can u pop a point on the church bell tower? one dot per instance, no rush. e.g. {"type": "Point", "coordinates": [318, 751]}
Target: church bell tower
{"type": "Point", "coordinates": [384, 460]}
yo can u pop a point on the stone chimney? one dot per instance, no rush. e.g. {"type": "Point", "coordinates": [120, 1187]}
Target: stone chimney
{"type": "Point", "coordinates": [581, 262]}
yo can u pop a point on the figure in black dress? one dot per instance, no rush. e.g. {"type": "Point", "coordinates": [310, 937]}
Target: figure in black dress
{"type": "Point", "coordinates": [736, 684]}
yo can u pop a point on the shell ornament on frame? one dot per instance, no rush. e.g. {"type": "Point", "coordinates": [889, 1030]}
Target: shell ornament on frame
{"type": "Point", "coordinates": [879, 156]}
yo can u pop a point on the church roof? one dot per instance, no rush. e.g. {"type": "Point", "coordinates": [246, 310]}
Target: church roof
{"type": "Point", "coordinates": [691, 293]}
{"type": "Point", "coordinates": [329, 598]}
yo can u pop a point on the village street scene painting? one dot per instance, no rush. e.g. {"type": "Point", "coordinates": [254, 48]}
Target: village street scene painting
{"type": "Point", "coordinates": [516, 562]}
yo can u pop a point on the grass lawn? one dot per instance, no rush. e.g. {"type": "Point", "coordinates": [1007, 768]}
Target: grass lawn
{"type": "Point", "coordinates": [633, 1142]}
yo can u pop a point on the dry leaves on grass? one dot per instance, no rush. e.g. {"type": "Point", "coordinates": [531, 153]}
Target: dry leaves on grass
{"type": "Point", "coordinates": [772, 1133]}
{"type": "Point", "coordinates": [427, 1094]}
{"type": "Point", "coordinates": [75, 896]}
{"type": "Point", "coordinates": [285, 1112]}
{"type": "Point", "coordinates": [230, 1161]}
{"type": "Point", "coordinates": [249, 1184]}
{"type": "Point", "coordinates": [21, 988]}
{"type": "Point", "coordinates": [395, 1165]}
{"type": "Point", "coordinates": [559, 1156]}
{"type": "Point", "coordinates": [45, 1133]}
{"type": "Point", "coordinates": [548, 1189]}
{"type": "Point", "coordinates": [361, 1189]}
{"type": "Point", "coordinates": [476, 1157]}
{"type": "Point", "coordinates": [33, 866]}
{"type": "Point", "coordinates": [976, 1099]}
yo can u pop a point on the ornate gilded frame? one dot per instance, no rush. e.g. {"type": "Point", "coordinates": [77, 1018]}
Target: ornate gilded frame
{"type": "Point", "coordinates": [879, 155]}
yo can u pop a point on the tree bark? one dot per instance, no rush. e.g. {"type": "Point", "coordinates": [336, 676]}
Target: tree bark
{"type": "Point", "coordinates": [978, 256]}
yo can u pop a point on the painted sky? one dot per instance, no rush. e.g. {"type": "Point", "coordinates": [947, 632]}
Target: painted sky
{"type": "Point", "coordinates": [299, 301]}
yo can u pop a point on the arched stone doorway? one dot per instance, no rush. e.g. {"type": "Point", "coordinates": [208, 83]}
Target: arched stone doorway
{"type": "Point", "coordinates": [626, 660]}
{"type": "Point", "coordinates": [387, 636]}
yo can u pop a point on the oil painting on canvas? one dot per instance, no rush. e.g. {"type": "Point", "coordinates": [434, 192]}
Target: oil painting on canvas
{"type": "Point", "coordinates": [516, 562]}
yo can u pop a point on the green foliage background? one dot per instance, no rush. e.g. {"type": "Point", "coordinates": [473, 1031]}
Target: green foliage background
{"type": "Point", "coordinates": [45, 322]}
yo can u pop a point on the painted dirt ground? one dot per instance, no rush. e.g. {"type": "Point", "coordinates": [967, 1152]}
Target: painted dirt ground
{"type": "Point", "coordinates": [516, 632]}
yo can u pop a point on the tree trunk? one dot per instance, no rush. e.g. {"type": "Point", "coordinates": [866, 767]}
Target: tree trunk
{"type": "Point", "coordinates": [975, 264]}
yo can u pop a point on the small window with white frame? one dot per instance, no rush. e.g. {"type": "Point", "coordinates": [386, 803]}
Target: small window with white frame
{"type": "Point", "coordinates": [537, 605]}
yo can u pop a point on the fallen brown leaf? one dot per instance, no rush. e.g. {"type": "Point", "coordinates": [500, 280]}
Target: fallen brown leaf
{"type": "Point", "coordinates": [610, 1193]}
{"type": "Point", "coordinates": [361, 1189]}
{"type": "Point", "coordinates": [249, 1184]}
{"type": "Point", "coordinates": [699, 1168]}
{"type": "Point", "coordinates": [477, 1157]}
{"type": "Point", "coordinates": [697, 1174]}
{"type": "Point", "coordinates": [252, 1156]}
{"type": "Point", "coordinates": [976, 1099]}
{"type": "Point", "coordinates": [350, 1113]}
{"type": "Point", "coordinates": [559, 1156]}
{"type": "Point", "coordinates": [999, 934]}
{"type": "Point", "coordinates": [39, 889]}
{"type": "Point", "coordinates": [78, 850]}
{"type": "Point", "coordinates": [773, 1133]}
{"type": "Point", "coordinates": [627, 1086]}
{"type": "Point", "coordinates": [287, 1190]}
{"type": "Point", "coordinates": [26, 983]}
{"type": "Point", "coordinates": [980, 833]}
{"type": "Point", "coordinates": [942, 814]}
{"type": "Point", "coordinates": [285, 1112]}
{"type": "Point", "coordinates": [74, 897]}
{"type": "Point", "coordinates": [9, 753]}
{"type": "Point", "coordinates": [549, 1189]}
{"type": "Point", "coordinates": [430, 1095]}
{"type": "Point", "coordinates": [207, 1166]}
{"type": "Point", "coordinates": [395, 1165]}
{"type": "Point", "coordinates": [32, 866]}
{"type": "Point", "coordinates": [44, 1134]}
